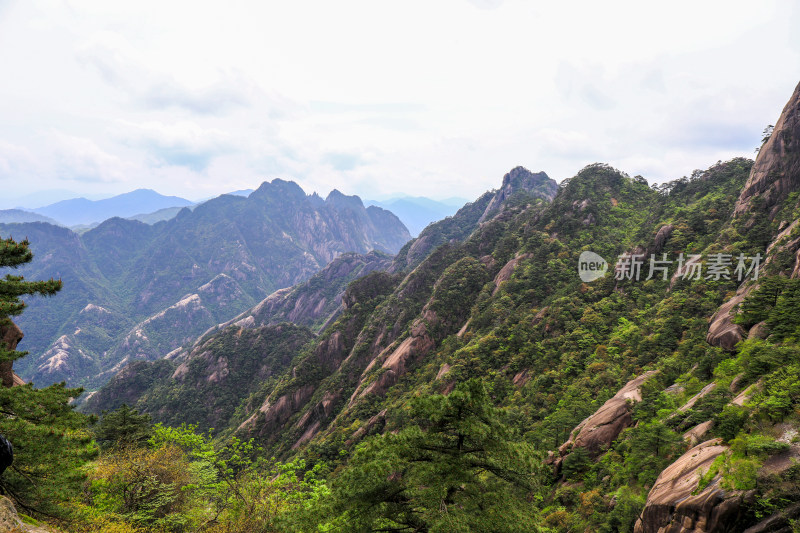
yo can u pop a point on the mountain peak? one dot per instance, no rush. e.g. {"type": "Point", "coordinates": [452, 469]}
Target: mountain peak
{"type": "Point", "coordinates": [279, 189]}
{"type": "Point", "coordinates": [776, 172]}
{"type": "Point", "coordinates": [521, 179]}
{"type": "Point", "coordinates": [338, 200]}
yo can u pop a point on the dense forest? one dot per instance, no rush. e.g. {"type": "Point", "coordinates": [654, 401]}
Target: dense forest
{"type": "Point", "coordinates": [475, 382]}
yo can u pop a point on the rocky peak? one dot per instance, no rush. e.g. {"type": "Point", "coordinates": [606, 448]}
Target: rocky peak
{"type": "Point", "coordinates": [521, 179]}
{"type": "Point", "coordinates": [776, 172]}
{"type": "Point", "coordinates": [315, 199]}
{"type": "Point", "coordinates": [339, 200]}
{"type": "Point", "coordinates": [280, 190]}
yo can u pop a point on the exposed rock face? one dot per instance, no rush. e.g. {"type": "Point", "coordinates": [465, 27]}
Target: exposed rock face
{"type": "Point", "coordinates": [696, 434]}
{"type": "Point", "coordinates": [507, 271]}
{"type": "Point", "coordinates": [693, 400]}
{"type": "Point", "coordinates": [604, 426]}
{"type": "Point", "coordinates": [661, 237]}
{"type": "Point", "coordinates": [9, 519]}
{"type": "Point", "coordinates": [10, 335]}
{"type": "Point", "coordinates": [131, 280]}
{"type": "Point", "coordinates": [276, 413]}
{"type": "Point", "coordinates": [672, 508]}
{"type": "Point", "coordinates": [776, 172]}
{"type": "Point", "coordinates": [722, 331]}
{"type": "Point", "coordinates": [519, 179]}
{"type": "Point", "coordinates": [398, 359]}
{"type": "Point", "coordinates": [315, 302]}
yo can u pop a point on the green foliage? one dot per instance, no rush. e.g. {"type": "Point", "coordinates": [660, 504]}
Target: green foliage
{"type": "Point", "coordinates": [730, 421]}
{"type": "Point", "coordinates": [456, 289]}
{"type": "Point", "coordinates": [182, 482]}
{"type": "Point", "coordinates": [456, 467]}
{"type": "Point", "coordinates": [577, 462]}
{"type": "Point", "coordinates": [50, 440]}
{"type": "Point", "coordinates": [123, 427]}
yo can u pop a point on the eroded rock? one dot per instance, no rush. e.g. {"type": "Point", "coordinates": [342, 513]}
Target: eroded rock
{"type": "Point", "coordinates": [600, 429]}
{"type": "Point", "coordinates": [722, 331]}
{"type": "Point", "coordinates": [673, 508]}
{"type": "Point", "coordinates": [776, 172]}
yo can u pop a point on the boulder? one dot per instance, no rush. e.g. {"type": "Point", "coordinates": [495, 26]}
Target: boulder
{"type": "Point", "coordinates": [9, 519]}
{"type": "Point", "coordinates": [507, 271]}
{"type": "Point", "coordinates": [600, 429]}
{"type": "Point", "coordinates": [722, 331]}
{"type": "Point", "coordinates": [10, 335]}
{"type": "Point", "coordinates": [673, 506]}
{"type": "Point", "coordinates": [758, 331]}
{"type": "Point", "coordinates": [696, 434]}
{"type": "Point", "coordinates": [661, 237]}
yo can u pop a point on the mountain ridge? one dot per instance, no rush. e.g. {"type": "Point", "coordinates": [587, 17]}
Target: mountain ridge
{"type": "Point", "coordinates": [260, 243]}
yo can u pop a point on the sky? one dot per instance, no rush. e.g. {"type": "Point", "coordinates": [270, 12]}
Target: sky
{"type": "Point", "coordinates": [378, 98]}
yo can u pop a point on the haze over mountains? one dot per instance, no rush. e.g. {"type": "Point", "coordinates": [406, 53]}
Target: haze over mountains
{"type": "Point", "coordinates": [82, 211]}
{"type": "Point", "coordinates": [150, 207]}
{"type": "Point", "coordinates": [417, 212]}
{"type": "Point", "coordinates": [134, 290]}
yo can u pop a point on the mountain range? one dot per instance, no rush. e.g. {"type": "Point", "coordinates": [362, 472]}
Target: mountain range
{"type": "Point", "coordinates": [80, 211]}
{"type": "Point", "coordinates": [133, 290]}
{"type": "Point", "coordinates": [661, 396]}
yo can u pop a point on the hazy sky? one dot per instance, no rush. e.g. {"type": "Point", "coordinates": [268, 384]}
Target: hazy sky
{"type": "Point", "coordinates": [433, 97]}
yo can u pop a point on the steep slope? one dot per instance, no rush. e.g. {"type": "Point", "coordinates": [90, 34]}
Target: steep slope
{"type": "Point", "coordinates": [304, 303]}
{"type": "Point", "coordinates": [208, 387]}
{"type": "Point", "coordinates": [520, 183]}
{"type": "Point", "coordinates": [663, 396]}
{"type": "Point", "coordinates": [169, 282]}
{"type": "Point", "coordinates": [508, 304]}
{"type": "Point", "coordinates": [776, 173]}
{"type": "Point", "coordinates": [314, 303]}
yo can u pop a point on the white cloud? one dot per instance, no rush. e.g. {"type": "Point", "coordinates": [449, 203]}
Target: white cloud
{"type": "Point", "coordinates": [183, 143]}
{"type": "Point", "coordinates": [375, 97]}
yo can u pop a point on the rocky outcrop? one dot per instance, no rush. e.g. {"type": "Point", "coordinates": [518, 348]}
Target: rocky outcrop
{"type": "Point", "coordinates": [507, 271]}
{"type": "Point", "coordinates": [397, 359]}
{"type": "Point", "coordinates": [275, 413]}
{"type": "Point", "coordinates": [520, 179]}
{"type": "Point", "coordinates": [695, 435]}
{"type": "Point", "coordinates": [603, 427]}
{"type": "Point", "coordinates": [661, 237]}
{"type": "Point", "coordinates": [776, 172]}
{"type": "Point", "coordinates": [722, 331]}
{"type": "Point", "coordinates": [693, 400]}
{"type": "Point", "coordinates": [674, 505]}
{"type": "Point", "coordinates": [10, 335]}
{"type": "Point", "coordinates": [9, 519]}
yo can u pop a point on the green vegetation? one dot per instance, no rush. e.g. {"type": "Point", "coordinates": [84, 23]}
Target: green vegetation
{"type": "Point", "coordinates": [439, 397]}
{"type": "Point", "coordinates": [50, 440]}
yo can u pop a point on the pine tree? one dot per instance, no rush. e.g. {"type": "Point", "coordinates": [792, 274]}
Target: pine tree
{"type": "Point", "coordinates": [458, 467]}
{"type": "Point", "coordinates": [14, 254]}
{"type": "Point", "coordinates": [50, 439]}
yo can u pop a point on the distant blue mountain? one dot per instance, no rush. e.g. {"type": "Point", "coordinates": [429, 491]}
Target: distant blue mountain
{"type": "Point", "coordinates": [80, 211]}
{"type": "Point", "coordinates": [10, 216]}
{"type": "Point", "coordinates": [241, 192]}
{"type": "Point", "coordinates": [417, 212]}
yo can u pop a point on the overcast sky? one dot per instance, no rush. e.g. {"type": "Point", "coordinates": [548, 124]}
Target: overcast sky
{"type": "Point", "coordinates": [434, 97]}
